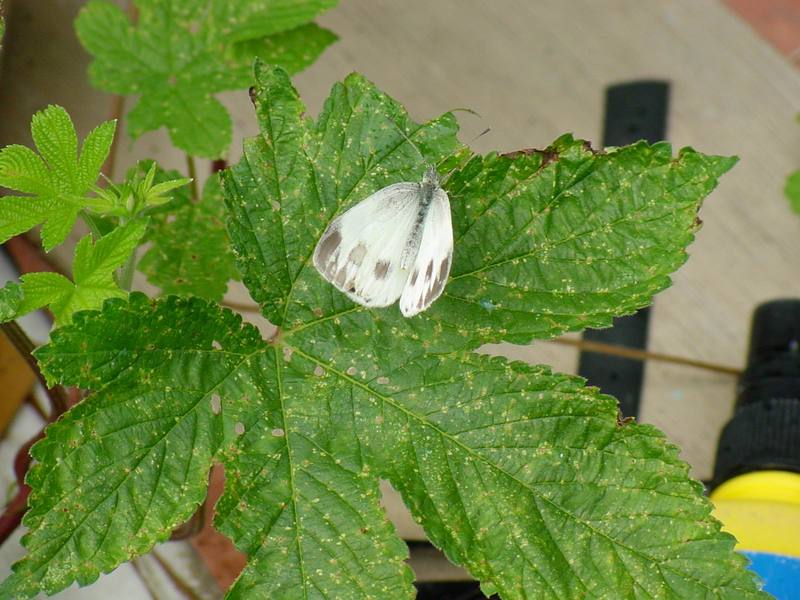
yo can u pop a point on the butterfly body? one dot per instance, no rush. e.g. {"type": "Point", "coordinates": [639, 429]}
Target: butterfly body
{"type": "Point", "coordinates": [396, 243]}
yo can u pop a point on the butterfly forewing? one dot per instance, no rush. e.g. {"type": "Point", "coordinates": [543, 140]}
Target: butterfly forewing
{"type": "Point", "coordinates": [360, 251]}
{"type": "Point", "coordinates": [431, 268]}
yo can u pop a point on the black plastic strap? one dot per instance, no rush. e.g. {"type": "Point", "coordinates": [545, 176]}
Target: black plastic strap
{"type": "Point", "coordinates": [634, 111]}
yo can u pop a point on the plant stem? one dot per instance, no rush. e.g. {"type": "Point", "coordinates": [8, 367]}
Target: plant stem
{"type": "Point", "coordinates": [25, 347]}
{"type": "Point", "coordinates": [117, 108]}
{"type": "Point", "coordinates": [13, 512]}
{"type": "Point", "coordinates": [241, 306]}
{"type": "Point", "coordinates": [128, 269]}
{"type": "Point", "coordinates": [193, 174]}
{"type": "Point", "coordinates": [644, 355]}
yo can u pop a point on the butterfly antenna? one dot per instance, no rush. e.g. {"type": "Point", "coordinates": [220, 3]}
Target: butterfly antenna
{"type": "Point", "coordinates": [481, 134]}
{"type": "Point", "coordinates": [408, 139]}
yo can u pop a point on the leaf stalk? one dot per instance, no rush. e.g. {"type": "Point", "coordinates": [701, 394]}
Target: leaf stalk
{"type": "Point", "coordinates": [192, 168]}
{"type": "Point", "coordinates": [645, 355]}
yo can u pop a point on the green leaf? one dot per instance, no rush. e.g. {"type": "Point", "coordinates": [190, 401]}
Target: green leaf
{"type": "Point", "coordinates": [251, 19]}
{"type": "Point", "coordinates": [10, 299]}
{"type": "Point", "coordinates": [569, 238]}
{"type": "Point", "coordinates": [122, 469]}
{"type": "Point", "coordinates": [57, 179]}
{"type": "Point", "coordinates": [182, 52]}
{"type": "Point", "coordinates": [294, 50]}
{"type": "Point", "coordinates": [145, 188]}
{"type": "Point", "coordinates": [792, 191]}
{"type": "Point", "coordinates": [546, 241]}
{"type": "Point", "coordinates": [93, 273]}
{"type": "Point", "coordinates": [190, 251]}
{"type": "Point", "coordinates": [524, 476]}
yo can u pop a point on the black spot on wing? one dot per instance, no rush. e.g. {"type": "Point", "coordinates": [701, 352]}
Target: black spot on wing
{"type": "Point", "coordinates": [429, 271]}
{"type": "Point", "coordinates": [441, 279]}
{"type": "Point", "coordinates": [414, 276]}
{"type": "Point", "coordinates": [444, 269]}
{"type": "Point", "coordinates": [357, 254]}
{"type": "Point", "coordinates": [327, 248]}
{"type": "Point", "coordinates": [381, 269]}
{"type": "Point", "coordinates": [341, 276]}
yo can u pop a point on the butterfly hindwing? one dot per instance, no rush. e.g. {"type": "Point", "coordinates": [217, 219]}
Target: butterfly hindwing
{"type": "Point", "coordinates": [360, 251]}
{"type": "Point", "coordinates": [430, 270]}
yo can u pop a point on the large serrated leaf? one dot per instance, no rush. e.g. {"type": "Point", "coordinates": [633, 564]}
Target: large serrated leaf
{"type": "Point", "coordinates": [125, 467]}
{"type": "Point", "coordinates": [181, 52]}
{"type": "Point", "coordinates": [525, 477]}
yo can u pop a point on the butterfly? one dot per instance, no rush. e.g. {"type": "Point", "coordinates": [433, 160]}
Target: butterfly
{"type": "Point", "coordinates": [396, 243]}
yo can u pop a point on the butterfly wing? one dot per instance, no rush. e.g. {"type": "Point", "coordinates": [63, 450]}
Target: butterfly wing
{"type": "Point", "coordinates": [360, 251]}
{"type": "Point", "coordinates": [432, 265]}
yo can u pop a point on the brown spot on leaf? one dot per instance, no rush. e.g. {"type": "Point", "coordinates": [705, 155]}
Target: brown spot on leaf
{"type": "Point", "coordinates": [623, 421]}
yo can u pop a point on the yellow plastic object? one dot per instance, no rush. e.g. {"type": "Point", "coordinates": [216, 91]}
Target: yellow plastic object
{"type": "Point", "coordinates": [762, 509]}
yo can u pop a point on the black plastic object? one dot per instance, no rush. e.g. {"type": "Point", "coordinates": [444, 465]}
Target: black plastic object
{"type": "Point", "coordinates": [634, 111]}
{"type": "Point", "coordinates": [450, 590]}
{"type": "Point", "coordinates": [764, 432]}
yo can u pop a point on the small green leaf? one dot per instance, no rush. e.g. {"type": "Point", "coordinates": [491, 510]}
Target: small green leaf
{"type": "Point", "coordinates": [792, 191]}
{"type": "Point", "coordinates": [140, 193]}
{"type": "Point", "coordinates": [57, 179]}
{"type": "Point", "coordinates": [190, 251]}
{"type": "Point", "coordinates": [10, 299]}
{"type": "Point", "coordinates": [94, 152]}
{"type": "Point", "coordinates": [181, 52]}
{"type": "Point", "coordinates": [93, 273]}
{"type": "Point", "coordinates": [42, 289]}
{"type": "Point", "coordinates": [252, 19]}
{"type": "Point", "coordinates": [294, 50]}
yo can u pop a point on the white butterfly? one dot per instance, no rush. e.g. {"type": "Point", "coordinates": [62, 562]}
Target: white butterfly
{"type": "Point", "coordinates": [396, 243]}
